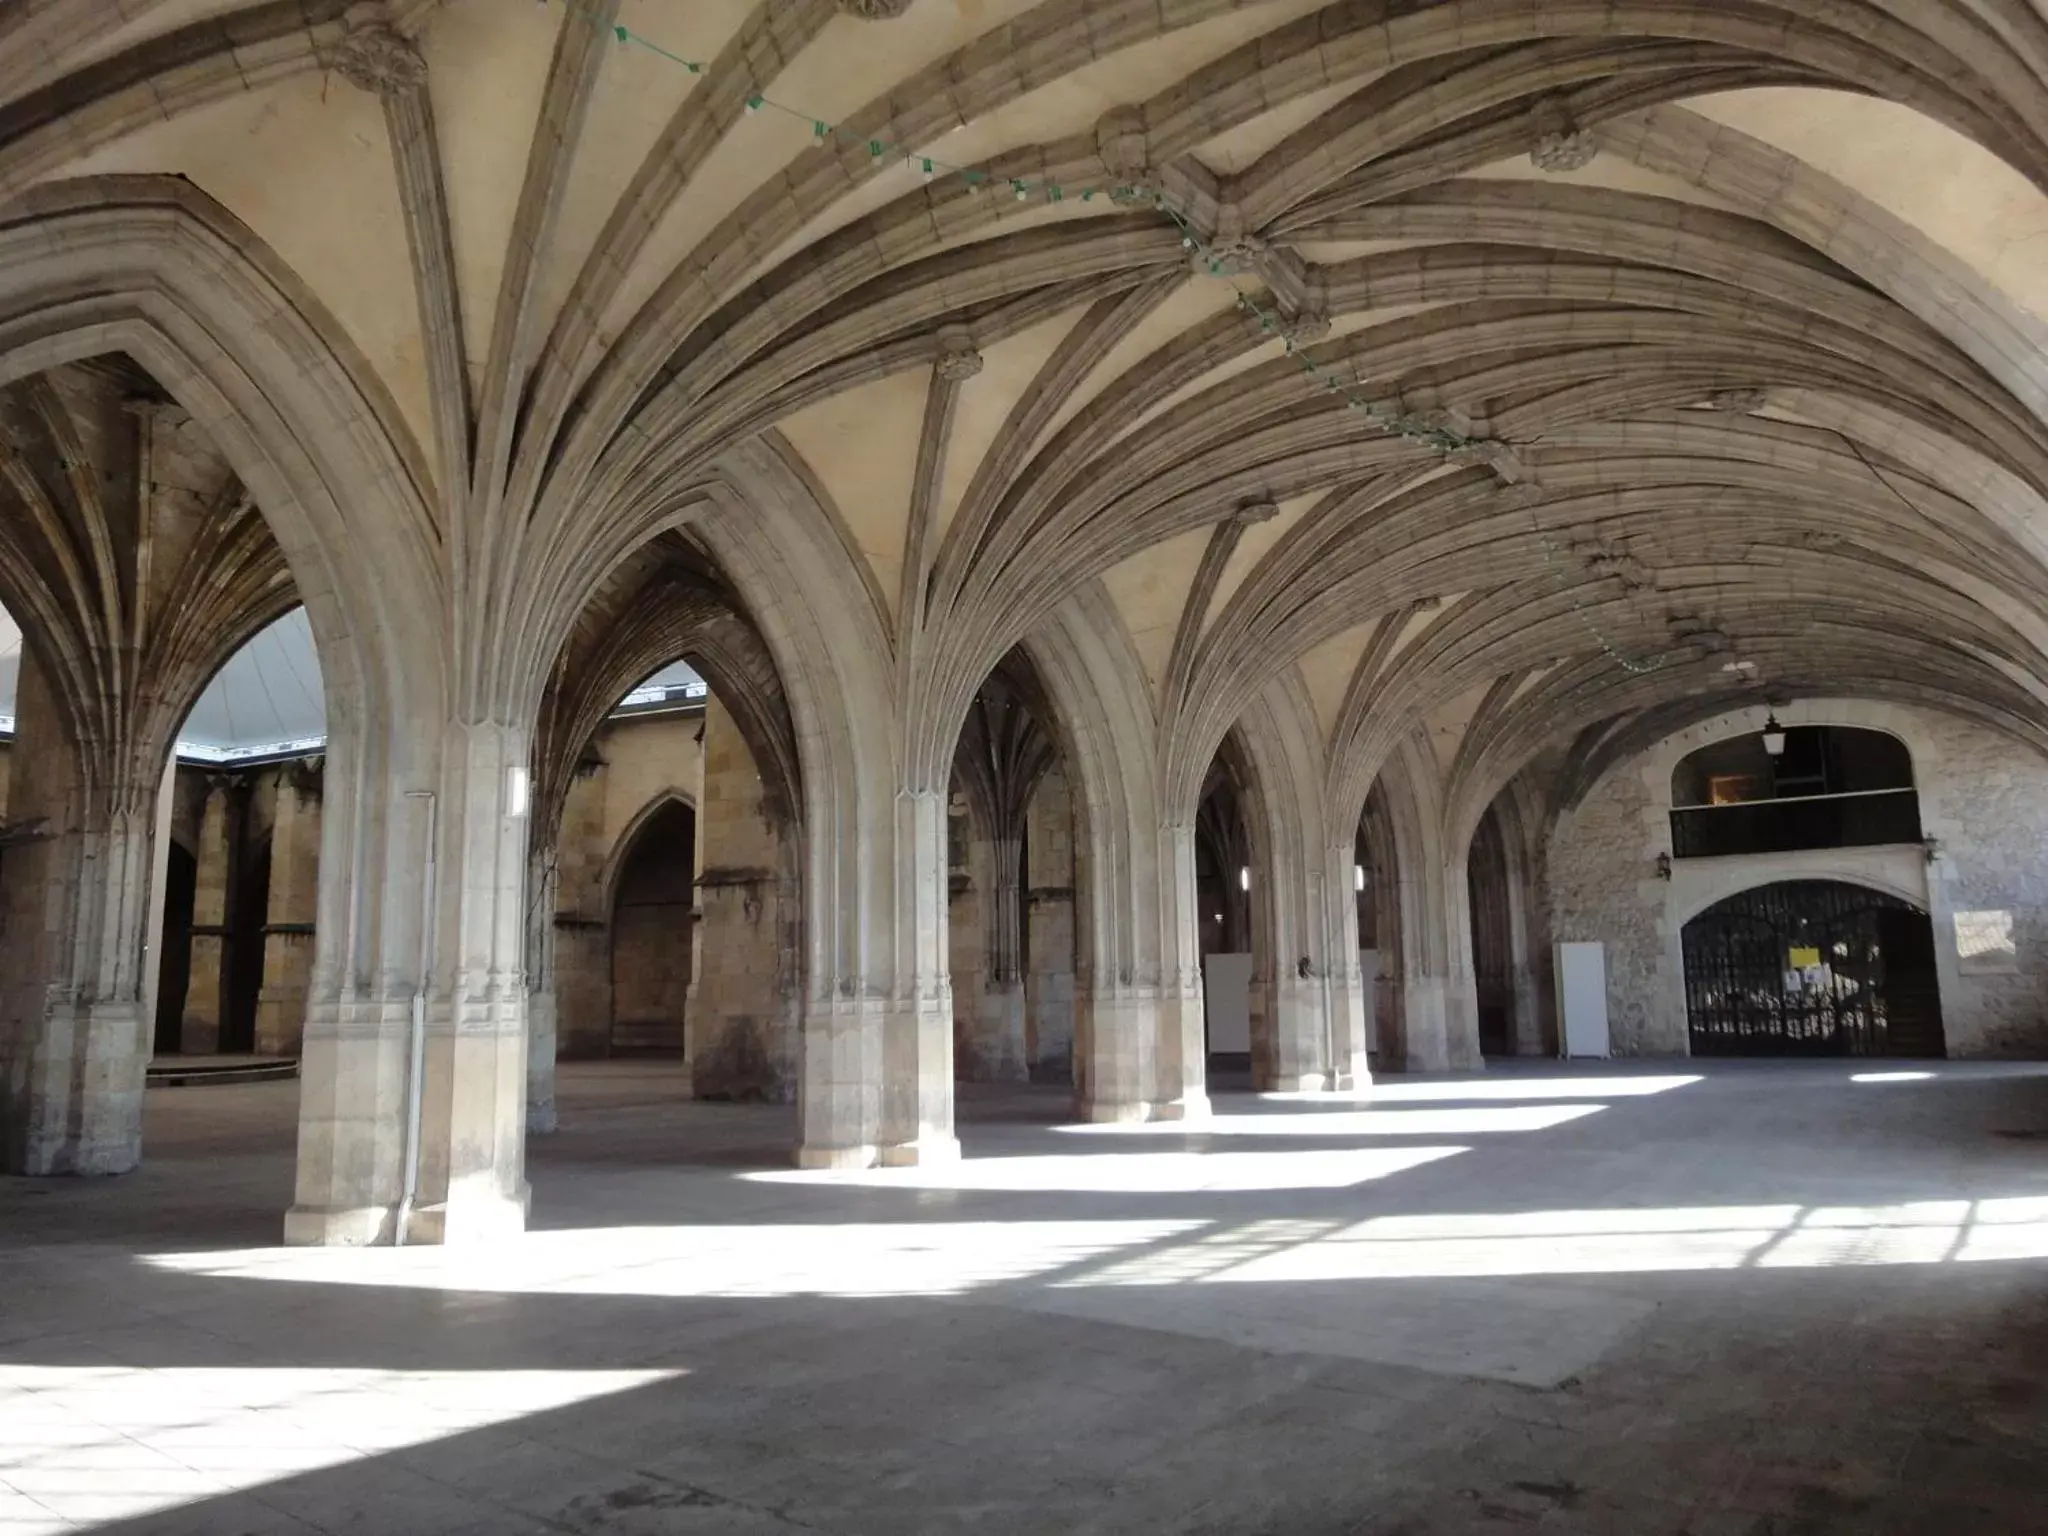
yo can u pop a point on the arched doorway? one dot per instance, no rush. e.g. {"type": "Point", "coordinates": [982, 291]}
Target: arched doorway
{"type": "Point", "coordinates": [174, 974]}
{"type": "Point", "coordinates": [650, 931]}
{"type": "Point", "coordinates": [1493, 945]}
{"type": "Point", "coordinates": [1811, 968]}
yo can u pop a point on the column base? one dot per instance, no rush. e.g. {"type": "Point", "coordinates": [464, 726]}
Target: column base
{"type": "Point", "coordinates": [1191, 1108]}
{"type": "Point", "coordinates": [366, 1226]}
{"type": "Point", "coordinates": [1114, 1111]}
{"type": "Point", "coordinates": [1300, 1082]}
{"type": "Point", "coordinates": [925, 1152]}
{"type": "Point", "coordinates": [540, 1117]}
{"type": "Point", "coordinates": [836, 1157]}
{"type": "Point", "coordinates": [67, 1160]}
{"type": "Point", "coordinates": [472, 1220]}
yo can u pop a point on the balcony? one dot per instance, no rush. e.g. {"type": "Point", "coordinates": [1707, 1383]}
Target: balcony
{"type": "Point", "coordinates": [1858, 820]}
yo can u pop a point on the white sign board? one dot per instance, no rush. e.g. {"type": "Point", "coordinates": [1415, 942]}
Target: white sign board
{"type": "Point", "coordinates": [1582, 998]}
{"type": "Point", "coordinates": [1227, 1003]}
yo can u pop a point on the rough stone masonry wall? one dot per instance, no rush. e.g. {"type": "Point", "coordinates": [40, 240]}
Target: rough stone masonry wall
{"type": "Point", "coordinates": [1990, 814]}
{"type": "Point", "coordinates": [745, 1005]}
{"type": "Point", "coordinates": [1601, 889]}
{"type": "Point", "coordinates": [1983, 797]}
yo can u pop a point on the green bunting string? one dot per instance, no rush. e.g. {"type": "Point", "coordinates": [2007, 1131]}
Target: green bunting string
{"type": "Point", "coordinates": [1431, 434]}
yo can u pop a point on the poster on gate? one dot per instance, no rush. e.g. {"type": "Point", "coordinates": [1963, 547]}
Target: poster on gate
{"type": "Point", "coordinates": [1805, 975]}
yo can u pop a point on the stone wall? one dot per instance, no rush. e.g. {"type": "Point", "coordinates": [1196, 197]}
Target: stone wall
{"type": "Point", "coordinates": [292, 795]}
{"type": "Point", "coordinates": [652, 921]}
{"type": "Point", "coordinates": [1989, 815]}
{"type": "Point", "coordinates": [1049, 931]}
{"type": "Point", "coordinates": [1983, 798]}
{"type": "Point", "coordinates": [635, 764]}
{"type": "Point", "coordinates": [1603, 887]}
{"type": "Point", "coordinates": [745, 1003]}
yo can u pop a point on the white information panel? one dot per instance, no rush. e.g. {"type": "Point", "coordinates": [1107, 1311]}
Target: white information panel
{"type": "Point", "coordinates": [1582, 998]}
{"type": "Point", "coordinates": [1227, 1002]}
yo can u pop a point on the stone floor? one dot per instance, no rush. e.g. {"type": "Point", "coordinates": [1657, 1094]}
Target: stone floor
{"type": "Point", "coordinates": [1746, 1300]}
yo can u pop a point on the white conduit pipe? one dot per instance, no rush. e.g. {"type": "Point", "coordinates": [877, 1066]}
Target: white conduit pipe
{"type": "Point", "coordinates": [417, 1060]}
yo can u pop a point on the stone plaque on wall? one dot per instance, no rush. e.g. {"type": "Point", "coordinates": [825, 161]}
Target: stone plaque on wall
{"type": "Point", "coordinates": [1985, 943]}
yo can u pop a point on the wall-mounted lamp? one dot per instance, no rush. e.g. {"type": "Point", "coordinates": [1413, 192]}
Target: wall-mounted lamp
{"type": "Point", "coordinates": [1932, 845]}
{"type": "Point", "coordinates": [1663, 866]}
{"type": "Point", "coordinates": [1244, 877]}
{"type": "Point", "coordinates": [1774, 736]}
{"type": "Point", "coordinates": [1358, 877]}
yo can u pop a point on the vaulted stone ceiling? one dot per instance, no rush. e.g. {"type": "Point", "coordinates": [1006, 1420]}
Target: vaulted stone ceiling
{"type": "Point", "coordinates": [1712, 331]}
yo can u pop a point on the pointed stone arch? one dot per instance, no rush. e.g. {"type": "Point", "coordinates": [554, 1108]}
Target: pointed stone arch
{"type": "Point", "coordinates": [154, 268]}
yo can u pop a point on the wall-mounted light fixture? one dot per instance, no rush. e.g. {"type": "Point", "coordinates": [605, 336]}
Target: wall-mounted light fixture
{"type": "Point", "coordinates": [1244, 877]}
{"type": "Point", "coordinates": [1663, 866]}
{"type": "Point", "coordinates": [1358, 877]}
{"type": "Point", "coordinates": [1931, 845]}
{"type": "Point", "coordinates": [1774, 735]}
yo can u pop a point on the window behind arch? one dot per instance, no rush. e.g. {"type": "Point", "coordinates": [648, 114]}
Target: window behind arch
{"type": "Point", "coordinates": [1832, 787]}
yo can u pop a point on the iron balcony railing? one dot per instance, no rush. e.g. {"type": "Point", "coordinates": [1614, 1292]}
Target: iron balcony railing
{"type": "Point", "coordinates": [1860, 819]}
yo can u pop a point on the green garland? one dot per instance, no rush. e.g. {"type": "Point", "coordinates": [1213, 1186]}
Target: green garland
{"type": "Point", "coordinates": [1433, 435]}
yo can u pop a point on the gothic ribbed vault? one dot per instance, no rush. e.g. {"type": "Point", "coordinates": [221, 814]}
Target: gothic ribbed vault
{"type": "Point", "coordinates": [1448, 396]}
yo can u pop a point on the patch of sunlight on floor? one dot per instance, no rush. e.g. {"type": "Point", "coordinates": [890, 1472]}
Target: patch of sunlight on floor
{"type": "Point", "coordinates": [1891, 1077]}
{"type": "Point", "coordinates": [1358, 1122]}
{"type": "Point", "coordinates": [72, 1451]}
{"type": "Point", "coordinates": [821, 1259]}
{"type": "Point", "coordinates": [1137, 1173]}
{"type": "Point", "coordinates": [1655, 1241]}
{"type": "Point", "coordinates": [941, 1258]}
{"type": "Point", "coordinates": [1508, 1086]}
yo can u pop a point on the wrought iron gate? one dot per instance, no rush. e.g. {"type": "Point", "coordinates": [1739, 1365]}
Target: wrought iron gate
{"type": "Point", "coordinates": [1810, 968]}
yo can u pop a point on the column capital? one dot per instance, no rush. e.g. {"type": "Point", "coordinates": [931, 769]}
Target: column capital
{"type": "Point", "coordinates": [958, 360]}
{"type": "Point", "coordinates": [374, 57]}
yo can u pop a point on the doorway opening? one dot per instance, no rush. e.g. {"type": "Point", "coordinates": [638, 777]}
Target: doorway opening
{"type": "Point", "coordinates": [652, 921]}
{"type": "Point", "coordinates": [1812, 968]}
{"type": "Point", "coordinates": [174, 966]}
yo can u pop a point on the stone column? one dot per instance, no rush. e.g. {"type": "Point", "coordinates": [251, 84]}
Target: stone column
{"type": "Point", "coordinates": [1297, 1032]}
{"type": "Point", "coordinates": [449, 855]}
{"type": "Point", "coordinates": [1290, 1019]}
{"type": "Point", "coordinates": [1139, 1049]}
{"type": "Point", "coordinates": [1345, 1003]}
{"type": "Point", "coordinates": [1461, 983]}
{"type": "Point", "coordinates": [1535, 993]}
{"type": "Point", "coordinates": [1425, 1030]}
{"type": "Point", "coordinates": [1049, 940]}
{"type": "Point", "coordinates": [917, 1030]}
{"type": "Point", "coordinates": [288, 921]}
{"type": "Point", "coordinates": [579, 957]}
{"type": "Point", "coordinates": [1182, 1060]}
{"type": "Point", "coordinates": [74, 898]}
{"type": "Point", "coordinates": [968, 860]}
{"type": "Point", "coordinates": [994, 1045]}
{"type": "Point", "coordinates": [207, 988]}
{"type": "Point", "coordinates": [743, 1000]}
{"type": "Point", "coordinates": [540, 996]}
